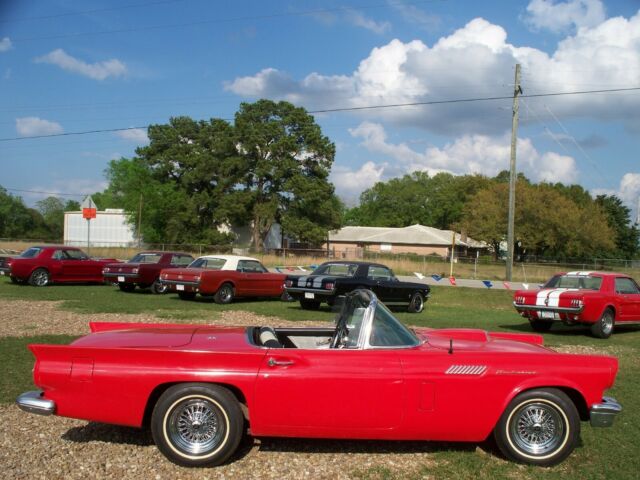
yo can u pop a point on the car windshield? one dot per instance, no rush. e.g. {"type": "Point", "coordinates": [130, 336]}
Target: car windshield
{"type": "Point", "coordinates": [146, 258]}
{"type": "Point", "coordinates": [581, 282]}
{"type": "Point", "coordinates": [337, 269]}
{"type": "Point", "coordinates": [208, 263]}
{"type": "Point", "coordinates": [31, 252]}
{"type": "Point", "coordinates": [386, 330]}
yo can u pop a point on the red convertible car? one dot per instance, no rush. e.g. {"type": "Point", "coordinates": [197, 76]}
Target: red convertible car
{"type": "Point", "coordinates": [42, 265]}
{"type": "Point", "coordinates": [224, 277]}
{"type": "Point", "coordinates": [598, 299]}
{"type": "Point", "coordinates": [369, 377]}
{"type": "Point", "coordinates": [144, 270]}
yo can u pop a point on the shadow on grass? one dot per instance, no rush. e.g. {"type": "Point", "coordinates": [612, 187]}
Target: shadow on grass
{"type": "Point", "coordinates": [98, 432]}
{"type": "Point", "coordinates": [560, 329]}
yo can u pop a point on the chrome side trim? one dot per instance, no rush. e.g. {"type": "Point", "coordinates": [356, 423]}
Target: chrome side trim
{"type": "Point", "coordinates": [32, 402]}
{"type": "Point", "coordinates": [603, 414]}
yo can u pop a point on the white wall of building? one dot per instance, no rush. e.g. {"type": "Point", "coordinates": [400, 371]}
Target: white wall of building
{"type": "Point", "coordinates": [108, 229]}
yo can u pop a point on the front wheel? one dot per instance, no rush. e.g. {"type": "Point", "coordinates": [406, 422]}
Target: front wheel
{"type": "Point", "coordinates": [224, 294]}
{"type": "Point", "coordinates": [159, 288]}
{"type": "Point", "coordinates": [309, 304]}
{"type": "Point", "coordinates": [416, 305]}
{"type": "Point", "coordinates": [538, 427]}
{"type": "Point", "coordinates": [39, 277]}
{"type": "Point", "coordinates": [540, 325]}
{"type": "Point", "coordinates": [127, 287]}
{"type": "Point", "coordinates": [603, 328]}
{"type": "Point", "coordinates": [197, 424]}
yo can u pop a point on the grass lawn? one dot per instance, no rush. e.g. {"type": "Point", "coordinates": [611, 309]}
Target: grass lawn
{"type": "Point", "coordinates": [604, 453]}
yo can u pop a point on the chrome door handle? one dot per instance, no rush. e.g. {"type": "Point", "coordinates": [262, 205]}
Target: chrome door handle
{"type": "Point", "coordinates": [279, 363]}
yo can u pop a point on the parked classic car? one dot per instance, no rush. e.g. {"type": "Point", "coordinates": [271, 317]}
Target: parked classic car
{"type": "Point", "coordinates": [224, 277]}
{"type": "Point", "coordinates": [144, 270]}
{"type": "Point", "coordinates": [337, 278]}
{"type": "Point", "coordinates": [6, 256]}
{"type": "Point", "coordinates": [598, 299]}
{"type": "Point", "coordinates": [369, 377]}
{"type": "Point", "coordinates": [42, 265]}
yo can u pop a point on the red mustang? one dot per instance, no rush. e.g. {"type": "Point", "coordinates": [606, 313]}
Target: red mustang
{"type": "Point", "coordinates": [42, 265]}
{"type": "Point", "coordinates": [144, 270]}
{"type": "Point", "coordinates": [224, 277]}
{"type": "Point", "coordinates": [369, 377]}
{"type": "Point", "coordinates": [598, 299]}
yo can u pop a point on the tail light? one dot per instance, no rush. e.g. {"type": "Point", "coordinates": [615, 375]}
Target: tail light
{"type": "Point", "coordinates": [106, 270]}
{"type": "Point", "coordinates": [520, 299]}
{"type": "Point", "coordinates": [577, 302]}
{"type": "Point", "coordinates": [135, 270]}
{"type": "Point", "coordinates": [288, 283]}
{"type": "Point", "coordinates": [329, 286]}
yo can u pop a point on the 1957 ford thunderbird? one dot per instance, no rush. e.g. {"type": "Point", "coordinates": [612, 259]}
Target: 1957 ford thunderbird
{"type": "Point", "coordinates": [369, 377]}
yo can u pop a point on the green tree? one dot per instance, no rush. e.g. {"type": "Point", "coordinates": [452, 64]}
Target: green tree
{"type": "Point", "coordinates": [19, 221]}
{"type": "Point", "coordinates": [283, 171]}
{"type": "Point", "coordinates": [619, 219]}
{"type": "Point", "coordinates": [52, 210]}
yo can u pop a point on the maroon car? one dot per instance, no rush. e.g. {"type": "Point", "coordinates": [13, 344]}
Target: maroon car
{"type": "Point", "coordinates": [45, 264]}
{"type": "Point", "coordinates": [144, 270]}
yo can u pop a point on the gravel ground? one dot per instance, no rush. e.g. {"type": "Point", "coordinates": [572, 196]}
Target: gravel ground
{"type": "Point", "coordinates": [36, 447]}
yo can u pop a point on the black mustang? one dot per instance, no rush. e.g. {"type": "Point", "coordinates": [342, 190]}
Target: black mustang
{"type": "Point", "coordinates": [337, 278]}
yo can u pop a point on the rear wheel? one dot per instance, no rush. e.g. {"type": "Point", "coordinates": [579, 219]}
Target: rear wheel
{"type": "Point", "coordinates": [187, 295]}
{"type": "Point", "coordinates": [309, 304]}
{"type": "Point", "coordinates": [39, 277]}
{"type": "Point", "coordinates": [127, 287]}
{"type": "Point", "coordinates": [159, 288]}
{"type": "Point", "coordinates": [540, 325]}
{"type": "Point", "coordinates": [224, 294]}
{"type": "Point", "coordinates": [603, 328]}
{"type": "Point", "coordinates": [416, 305]}
{"type": "Point", "coordinates": [539, 427]}
{"type": "Point", "coordinates": [197, 424]}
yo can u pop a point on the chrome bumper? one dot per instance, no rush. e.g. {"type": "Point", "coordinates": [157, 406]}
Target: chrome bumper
{"type": "Point", "coordinates": [32, 402]}
{"type": "Point", "coordinates": [602, 414]}
{"type": "Point", "coordinates": [521, 307]}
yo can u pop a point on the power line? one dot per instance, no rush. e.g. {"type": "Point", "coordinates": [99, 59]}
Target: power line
{"type": "Point", "coordinates": [270, 16]}
{"type": "Point", "coordinates": [85, 12]}
{"type": "Point", "coordinates": [46, 193]}
{"type": "Point", "coordinates": [355, 109]}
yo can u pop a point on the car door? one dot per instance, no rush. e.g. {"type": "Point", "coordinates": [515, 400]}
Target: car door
{"type": "Point", "coordinates": [628, 295]}
{"type": "Point", "coordinates": [332, 392]}
{"type": "Point", "coordinates": [254, 277]}
{"type": "Point", "coordinates": [384, 283]}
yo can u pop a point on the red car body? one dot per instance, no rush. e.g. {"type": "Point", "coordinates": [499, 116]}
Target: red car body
{"type": "Point", "coordinates": [224, 277]}
{"type": "Point", "coordinates": [144, 270]}
{"type": "Point", "coordinates": [598, 299]}
{"type": "Point", "coordinates": [41, 265]}
{"type": "Point", "coordinates": [367, 378]}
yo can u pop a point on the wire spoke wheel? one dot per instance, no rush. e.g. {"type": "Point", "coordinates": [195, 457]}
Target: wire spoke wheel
{"type": "Point", "coordinates": [537, 428]}
{"type": "Point", "coordinates": [195, 426]}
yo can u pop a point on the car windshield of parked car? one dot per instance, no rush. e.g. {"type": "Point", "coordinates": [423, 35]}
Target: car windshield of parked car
{"type": "Point", "coordinates": [146, 258]}
{"type": "Point", "coordinates": [387, 331]}
{"type": "Point", "coordinates": [337, 269]}
{"type": "Point", "coordinates": [208, 263]}
{"type": "Point", "coordinates": [31, 252]}
{"type": "Point", "coordinates": [581, 282]}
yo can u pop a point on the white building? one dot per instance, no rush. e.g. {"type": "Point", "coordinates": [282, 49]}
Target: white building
{"type": "Point", "coordinates": [109, 229]}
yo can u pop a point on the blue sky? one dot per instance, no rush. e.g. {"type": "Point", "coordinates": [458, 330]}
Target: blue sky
{"type": "Point", "coordinates": [70, 66]}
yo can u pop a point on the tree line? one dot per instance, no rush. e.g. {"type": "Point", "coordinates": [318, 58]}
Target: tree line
{"type": "Point", "coordinates": [271, 165]}
{"type": "Point", "coordinates": [553, 220]}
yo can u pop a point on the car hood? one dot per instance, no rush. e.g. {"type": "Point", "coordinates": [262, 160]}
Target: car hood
{"type": "Point", "coordinates": [480, 340]}
{"type": "Point", "coordinates": [170, 336]}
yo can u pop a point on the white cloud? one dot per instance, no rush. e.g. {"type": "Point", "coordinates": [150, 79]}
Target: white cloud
{"type": "Point", "coordinates": [468, 154]}
{"type": "Point", "coordinates": [413, 14]}
{"type": "Point", "coordinates": [628, 191]}
{"type": "Point", "coordinates": [350, 183]}
{"type": "Point", "coordinates": [33, 126]}
{"type": "Point", "coordinates": [5, 44]}
{"type": "Point", "coordinates": [136, 135]}
{"type": "Point", "coordinates": [474, 61]}
{"type": "Point", "coordinates": [97, 71]}
{"type": "Point", "coordinates": [560, 16]}
{"type": "Point", "coordinates": [360, 20]}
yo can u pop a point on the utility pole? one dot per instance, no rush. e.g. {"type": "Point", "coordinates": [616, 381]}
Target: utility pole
{"type": "Point", "coordinates": [140, 221]}
{"type": "Point", "coordinates": [517, 90]}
